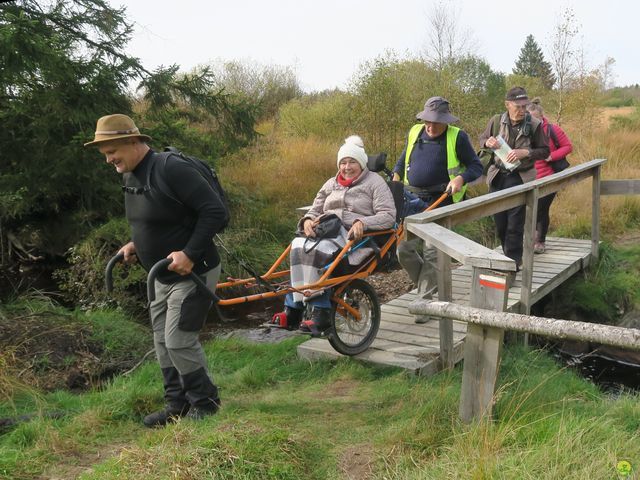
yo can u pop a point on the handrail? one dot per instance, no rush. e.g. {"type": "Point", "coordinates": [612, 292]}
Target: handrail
{"type": "Point", "coordinates": [485, 205]}
{"type": "Point", "coordinates": [490, 203]}
{"type": "Point", "coordinates": [628, 338]}
{"type": "Point", "coordinates": [461, 248]}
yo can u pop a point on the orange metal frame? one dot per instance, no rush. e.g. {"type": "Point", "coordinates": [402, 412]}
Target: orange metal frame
{"type": "Point", "coordinates": [324, 282]}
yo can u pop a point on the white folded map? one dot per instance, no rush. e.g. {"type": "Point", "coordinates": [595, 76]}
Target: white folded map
{"type": "Point", "coordinates": [501, 153]}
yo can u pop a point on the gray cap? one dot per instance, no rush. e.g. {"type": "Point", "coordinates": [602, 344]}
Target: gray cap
{"type": "Point", "coordinates": [516, 94]}
{"type": "Point", "coordinates": [436, 109]}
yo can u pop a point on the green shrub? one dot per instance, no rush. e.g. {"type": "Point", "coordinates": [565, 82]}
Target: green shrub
{"type": "Point", "coordinates": [327, 115]}
{"type": "Point", "coordinates": [609, 288]}
{"type": "Point", "coordinates": [626, 122]}
{"type": "Point", "coordinates": [617, 102]}
{"type": "Point", "coordinates": [83, 282]}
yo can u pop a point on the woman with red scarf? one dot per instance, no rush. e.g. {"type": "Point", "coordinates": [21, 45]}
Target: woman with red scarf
{"type": "Point", "coordinates": [362, 200]}
{"type": "Point", "coordinates": [560, 146]}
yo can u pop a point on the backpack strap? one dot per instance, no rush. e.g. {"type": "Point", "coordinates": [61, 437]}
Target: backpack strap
{"type": "Point", "coordinates": [485, 152]}
{"type": "Point", "coordinates": [160, 161]}
{"type": "Point", "coordinates": [553, 137]}
{"type": "Point", "coordinates": [495, 125]}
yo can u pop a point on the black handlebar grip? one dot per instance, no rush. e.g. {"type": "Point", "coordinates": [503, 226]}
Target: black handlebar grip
{"type": "Point", "coordinates": [164, 263]}
{"type": "Point", "coordinates": [108, 277]}
{"type": "Point", "coordinates": [151, 278]}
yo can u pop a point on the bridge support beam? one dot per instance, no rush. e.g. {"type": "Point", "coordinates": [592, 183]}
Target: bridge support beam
{"type": "Point", "coordinates": [483, 347]}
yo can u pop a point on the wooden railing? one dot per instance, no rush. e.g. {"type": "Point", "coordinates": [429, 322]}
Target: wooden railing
{"type": "Point", "coordinates": [485, 317]}
{"type": "Point", "coordinates": [434, 228]}
{"type": "Point", "coordinates": [485, 330]}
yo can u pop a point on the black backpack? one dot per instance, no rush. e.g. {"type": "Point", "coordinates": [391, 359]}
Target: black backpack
{"type": "Point", "coordinates": [562, 163]}
{"type": "Point", "coordinates": [204, 169]}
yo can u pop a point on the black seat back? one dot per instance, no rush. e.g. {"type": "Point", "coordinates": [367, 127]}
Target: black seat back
{"type": "Point", "coordinates": [397, 190]}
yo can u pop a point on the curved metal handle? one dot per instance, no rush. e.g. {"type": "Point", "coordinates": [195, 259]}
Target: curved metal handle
{"type": "Point", "coordinates": [108, 272]}
{"type": "Point", "coordinates": [203, 287]}
{"type": "Point", "coordinates": [441, 199]}
{"type": "Point", "coordinates": [164, 263]}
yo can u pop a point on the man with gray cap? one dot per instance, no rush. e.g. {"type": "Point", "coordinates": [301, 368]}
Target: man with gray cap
{"type": "Point", "coordinates": [528, 142]}
{"type": "Point", "coordinates": [179, 227]}
{"type": "Point", "coordinates": [438, 157]}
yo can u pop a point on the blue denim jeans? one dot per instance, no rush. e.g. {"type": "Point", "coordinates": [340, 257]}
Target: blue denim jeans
{"type": "Point", "coordinates": [322, 301]}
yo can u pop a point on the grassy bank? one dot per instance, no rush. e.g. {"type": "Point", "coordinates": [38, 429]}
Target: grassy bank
{"type": "Point", "coordinates": [284, 418]}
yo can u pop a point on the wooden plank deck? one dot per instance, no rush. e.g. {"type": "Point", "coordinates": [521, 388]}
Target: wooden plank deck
{"type": "Point", "coordinates": [416, 347]}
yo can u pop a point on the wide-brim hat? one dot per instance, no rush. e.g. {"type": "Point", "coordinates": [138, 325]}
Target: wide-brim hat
{"type": "Point", "coordinates": [114, 127]}
{"type": "Point", "coordinates": [436, 109]}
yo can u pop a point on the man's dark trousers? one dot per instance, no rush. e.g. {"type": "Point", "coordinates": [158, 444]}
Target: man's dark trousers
{"type": "Point", "coordinates": [510, 223]}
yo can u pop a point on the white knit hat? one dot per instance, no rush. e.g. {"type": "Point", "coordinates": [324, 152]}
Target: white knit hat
{"type": "Point", "coordinates": [354, 148]}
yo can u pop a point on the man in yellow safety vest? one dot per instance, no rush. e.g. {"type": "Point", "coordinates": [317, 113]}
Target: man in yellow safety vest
{"type": "Point", "coordinates": [438, 157]}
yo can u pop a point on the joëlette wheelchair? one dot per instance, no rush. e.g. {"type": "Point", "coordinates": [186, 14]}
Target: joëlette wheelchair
{"type": "Point", "coordinates": [355, 312]}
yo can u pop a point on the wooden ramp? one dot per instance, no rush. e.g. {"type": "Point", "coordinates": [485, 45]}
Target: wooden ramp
{"type": "Point", "coordinates": [416, 347]}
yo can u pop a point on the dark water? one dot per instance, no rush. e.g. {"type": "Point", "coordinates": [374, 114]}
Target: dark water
{"type": "Point", "coordinates": [610, 375]}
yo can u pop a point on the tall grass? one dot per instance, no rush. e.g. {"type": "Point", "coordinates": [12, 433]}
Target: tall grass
{"type": "Point", "coordinates": [571, 211]}
{"type": "Point", "coordinates": [285, 418]}
{"type": "Point", "coordinates": [273, 178]}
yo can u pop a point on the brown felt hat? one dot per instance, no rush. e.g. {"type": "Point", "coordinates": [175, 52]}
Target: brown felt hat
{"type": "Point", "coordinates": [113, 127]}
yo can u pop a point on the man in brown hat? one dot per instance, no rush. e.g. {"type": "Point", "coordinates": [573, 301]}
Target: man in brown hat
{"type": "Point", "coordinates": [528, 143]}
{"type": "Point", "coordinates": [179, 227]}
{"type": "Point", "coordinates": [438, 157]}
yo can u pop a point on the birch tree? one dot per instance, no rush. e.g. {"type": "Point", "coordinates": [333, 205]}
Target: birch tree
{"type": "Point", "coordinates": [564, 55]}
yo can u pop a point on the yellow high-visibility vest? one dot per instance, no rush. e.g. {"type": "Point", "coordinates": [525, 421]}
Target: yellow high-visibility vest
{"type": "Point", "coordinates": [454, 167]}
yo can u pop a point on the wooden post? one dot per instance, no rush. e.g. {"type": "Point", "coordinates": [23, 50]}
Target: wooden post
{"type": "Point", "coordinates": [595, 213]}
{"type": "Point", "coordinates": [447, 360]}
{"type": "Point", "coordinates": [483, 346]}
{"type": "Point", "coordinates": [445, 289]}
{"type": "Point", "coordinates": [531, 208]}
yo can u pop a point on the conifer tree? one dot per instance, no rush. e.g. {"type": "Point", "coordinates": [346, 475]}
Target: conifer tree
{"type": "Point", "coordinates": [531, 62]}
{"type": "Point", "coordinates": [63, 64]}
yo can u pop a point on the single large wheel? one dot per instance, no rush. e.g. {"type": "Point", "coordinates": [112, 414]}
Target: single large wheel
{"type": "Point", "coordinates": [355, 318]}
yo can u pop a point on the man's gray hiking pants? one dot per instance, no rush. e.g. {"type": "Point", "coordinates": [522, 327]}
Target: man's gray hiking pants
{"type": "Point", "coordinates": [177, 316]}
{"type": "Point", "coordinates": [421, 263]}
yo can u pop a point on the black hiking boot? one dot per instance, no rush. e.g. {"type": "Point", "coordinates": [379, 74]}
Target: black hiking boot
{"type": "Point", "coordinates": [200, 412]}
{"type": "Point", "coordinates": [170, 414]}
{"type": "Point", "coordinates": [320, 322]}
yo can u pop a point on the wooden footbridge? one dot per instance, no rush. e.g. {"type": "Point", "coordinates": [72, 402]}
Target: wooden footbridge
{"type": "Point", "coordinates": [426, 348]}
{"type": "Point", "coordinates": [476, 304]}
{"type": "Point", "coordinates": [416, 347]}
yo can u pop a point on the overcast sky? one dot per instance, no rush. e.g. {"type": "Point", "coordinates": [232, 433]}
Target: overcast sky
{"type": "Point", "coordinates": [326, 40]}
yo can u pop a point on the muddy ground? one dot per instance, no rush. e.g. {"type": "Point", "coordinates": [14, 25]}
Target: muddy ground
{"type": "Point", "coordinates": [48, 351]}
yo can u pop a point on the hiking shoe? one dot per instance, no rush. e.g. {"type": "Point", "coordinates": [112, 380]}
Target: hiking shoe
{"type": "Point", "coordinates": [539, 247]}
{"type": "Point", "coordinates": [163, 417]}
{"type": "Point", "coordinates": [319, 322]}
{"type": "Point", "coordinates": [289, 319]}
{"type": "Point", "coordinates": [199, 413]}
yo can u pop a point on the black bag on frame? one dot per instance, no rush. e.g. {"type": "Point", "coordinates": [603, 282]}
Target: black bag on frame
{"type": "Point", "coordinates": [562, 163]}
